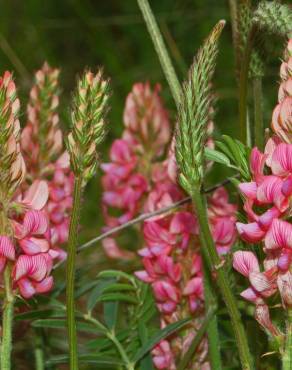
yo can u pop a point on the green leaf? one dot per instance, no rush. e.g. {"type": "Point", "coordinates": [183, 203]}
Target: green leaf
{"type": "Point", "coordinates": [97, 360]}
{"type": "Point", "coordinates": [62, 324]}
{"type": "Point", "coordinates": [116, 274]}
{"type": "Point", "coordinates": [101, 344]}
{"type": "Point", "coordinates": [216, 156]}
{"type": "Point", "coordinates": [40, 314]}
{"type": "Point", "coordinates": [119, 287]}
{"type": "Point", "coordinates": [97, 292]}
{"type": "Point", "coordinates": [146, 361]}
{"type": "Point", "coordinates": [110, 314]}
{"type": "Point", "coordinates": [161, 334]}
{"type": "Point", "coordinates": [118, 297]}
{"type": "Point", "coordinates": [85, 288]}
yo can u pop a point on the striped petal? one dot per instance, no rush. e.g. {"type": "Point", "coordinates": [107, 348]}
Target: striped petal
{"type": "Point", "coordinates": [245, 262]}
{"type": "Point", "coordinates": [35, 222]}
{"type": "Point", "coordinates": [251, 233]}
{"type": "Point", "coordinates": [279, 235]}
{"type": "Point", "coordinates": [7, 248]}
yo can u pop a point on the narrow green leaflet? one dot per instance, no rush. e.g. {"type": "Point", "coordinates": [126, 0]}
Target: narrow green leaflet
{"type": "Point", "coordinates": [161, 334]}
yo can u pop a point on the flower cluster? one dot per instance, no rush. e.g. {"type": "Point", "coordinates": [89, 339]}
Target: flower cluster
{"type": "Point", "coordinates": [126, 179]}
{"type": "Point", "coordinates": [25, 232]}
{"type": "Point", "coordinates": [45, 158]}
{"type": "Point", "coordinates": [138, 180]}
{"type": "Point", "coordinates": [267, 204]}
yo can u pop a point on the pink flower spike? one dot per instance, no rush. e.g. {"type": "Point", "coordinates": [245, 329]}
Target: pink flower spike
{"type": "Point", "coordinates": [245, 262]}
{"type": "Point", "coordinates": [7, 248]}
{"type": "Point", "coordinates": [279, 235]}
{"type": "Point", "coordinates": [251, 233]}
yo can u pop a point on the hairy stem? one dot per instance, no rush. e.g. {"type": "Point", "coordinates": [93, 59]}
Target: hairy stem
{"type": "Point", "coordinates": [258, 112]}
{"type": "Point", "coordinates": [287, 356]}
{"type": "Point", "coordinates": [222, 279]}
{"type": "Point", "coordinates": [197, 340]}
{"type": "Point", "coordinates": [161, 50]}
{"type": "Point", "coordinates": [7, 320]}
{"type": "Point", "coordinates": [70, 274]}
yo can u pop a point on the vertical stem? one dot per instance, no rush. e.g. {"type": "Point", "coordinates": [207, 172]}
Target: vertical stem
{"type": "Point", "coordinates": [258, 112]}
{"type": "Point", "coordinates": [287, 356]}
{"type": "Point", "coordinates": [160, 50]}
{"type": "Point", "coordinates": [222, 280]}
{"type": "Point", "coordinates": [243, 87]}
{"type": "Point", "coordinates": [70, 274]}
{"type": "Point", "coordinates": [212, 330]}
{"type": "Point", "coordinates": [38, 352]}
{"type": "Point", "coordinates": [234, 25]}
{"type": "Point", "coordinates": [7, 320]}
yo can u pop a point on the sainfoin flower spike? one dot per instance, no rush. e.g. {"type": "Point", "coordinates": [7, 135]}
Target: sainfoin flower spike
{"type": "Point", "coordinates": [26, 254]}
{"type": "Point", "coordinates": [267, 202]}
{"type": "Point", "coordinates": [42, 146]}
{"type": "Point", "coordinates": [135, 182]}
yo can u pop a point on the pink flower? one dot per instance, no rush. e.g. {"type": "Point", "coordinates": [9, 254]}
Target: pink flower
{"type": "Point", "coordinates": [7, 251]}
{"type": "Point", "coordinates": [31, 274]}
{"type": "Point", "coordinates": [31, 232]}
{"type": "Point", "coordinates": [163, 356]}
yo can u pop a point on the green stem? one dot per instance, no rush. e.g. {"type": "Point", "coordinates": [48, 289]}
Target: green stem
{"type": "Point", "coordinates": [197, 340]}
{"type": "Point", "coordinates": [258, 112]}
{"type": "Point", "coordinates": [161, 50]}
{"type": "Point", "coordinates": [7, 320]}
{"type": "Point", "coordinates": [212, 329]}
{"type": "Point", "coordinates": [70, 274]}
{"type": "Point", "coordinates": [243, 87]}
{"type": "Point", "coordinates": [233, 7]}
{"type": "Point", "coordinates": [222, 279]}
{"type": "Point", "coordinates": [38, 352]}
{"type": "Point", "coordinates": [287, 356]}
{"type": "Point", "coordinates": [128, 364]}
{"type": "Point", "coordinates": [111, 336]}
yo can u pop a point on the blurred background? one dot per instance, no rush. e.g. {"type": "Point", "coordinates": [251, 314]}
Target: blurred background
{"type": "Point", "coordinates": [75, 34]}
